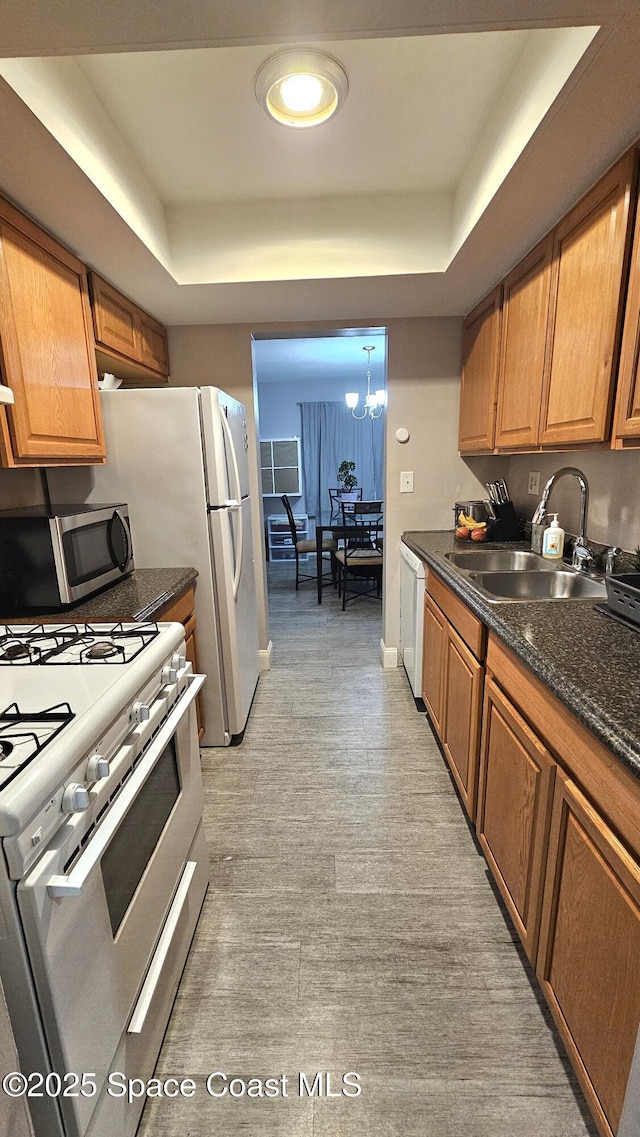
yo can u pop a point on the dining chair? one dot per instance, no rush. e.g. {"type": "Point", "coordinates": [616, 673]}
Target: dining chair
{"type": "Point", "coordinates": [335, 503]}
{"type": "Point", "coordinates": [360, 557]}
{"type": "Point", "coordinates": [329, 545]}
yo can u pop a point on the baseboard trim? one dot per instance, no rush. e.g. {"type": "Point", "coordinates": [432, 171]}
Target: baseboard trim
{"type": "Point", "coordinates": [388, 656]}
{"type": "Point", "coordinates": [264, 655]}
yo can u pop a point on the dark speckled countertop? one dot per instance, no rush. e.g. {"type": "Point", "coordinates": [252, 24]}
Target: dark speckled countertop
{"type": "Point", "coordinates": [590, 663]}
{"type": "Point", "coordinates": [138, 597]}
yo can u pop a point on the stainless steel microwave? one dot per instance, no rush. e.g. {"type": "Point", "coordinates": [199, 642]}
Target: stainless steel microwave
{"type": "Point", "coordinates": [51, 557]}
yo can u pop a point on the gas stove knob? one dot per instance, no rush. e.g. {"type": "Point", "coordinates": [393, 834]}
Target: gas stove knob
{"type": "Point", "coordinates": [97, 768]}
{"type": "Point", "coordinates": [169, 674]}
{"type": "Point", "coordinates": [178, 661]}
{"type": "Point", "coordinates": [75, 798]}
{"type": "Point", "coordinates": [140, 712]}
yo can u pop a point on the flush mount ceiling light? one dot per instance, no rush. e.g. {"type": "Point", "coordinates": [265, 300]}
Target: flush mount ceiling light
{"type": "Point", "coordinates": [301, 88]}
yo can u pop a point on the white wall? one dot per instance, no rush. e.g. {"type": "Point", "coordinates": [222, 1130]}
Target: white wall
{"type": "Point", "coordinates": [279, 411]}
{"type": "Point", "coordinates": [19, 488]}
{"type": "Point", "coordinates": [614, 492]}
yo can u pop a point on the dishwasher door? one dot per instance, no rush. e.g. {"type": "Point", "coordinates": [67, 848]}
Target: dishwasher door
{"type": "Point", "coordinates": [411, 616]}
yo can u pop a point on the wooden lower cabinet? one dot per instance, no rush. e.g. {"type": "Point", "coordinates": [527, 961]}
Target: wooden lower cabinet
{"type": "Point", "coordinates": [180, 611]}
{"type": "Point", "coordinates": [461, 708]}
{"type": "Point", "coordinates": [433, 659]}
{"type": "Point", "coordinates": [452, 682]}
{"type": "Point", "coordinates": [191, 651]}
{"type": "Point", "coordinates": [589, 955]}
{"type": "Point", "coordinates": [558, 821]}
{"type": "Point", "coordinates": [514, 808]}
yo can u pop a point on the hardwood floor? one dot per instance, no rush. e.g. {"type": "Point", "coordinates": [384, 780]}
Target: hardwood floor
{"type": "Point", "coordinates": [350, 924]}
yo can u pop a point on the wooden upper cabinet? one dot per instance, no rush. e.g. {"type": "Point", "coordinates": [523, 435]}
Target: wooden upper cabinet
{"type": "Point", "coordinates": [153, 344]}
{"type": "Point", "coordinates": [480, 354]}
{"type": "Point", "coordinates": [128, 339]}
{"type": "Point", "coordinates": [590, 948]}
{"type": "Point", "coordinates": [627, 414]}
{"type": "Point", "coordinates": [525, 310]}
{"type": "Point", "coordinates": [589, 263]}
{"type": "Point", "coordinates": [114, 318]}
{"type": "Point", "coordinates": [47, 350]}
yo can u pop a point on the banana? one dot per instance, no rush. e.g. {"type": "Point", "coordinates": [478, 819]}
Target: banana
{"type": "Point", "coordinates": [470, 522]}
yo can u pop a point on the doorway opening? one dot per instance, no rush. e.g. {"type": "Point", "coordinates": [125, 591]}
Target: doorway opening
{"type": "Point", "coordinates": [306, 430]}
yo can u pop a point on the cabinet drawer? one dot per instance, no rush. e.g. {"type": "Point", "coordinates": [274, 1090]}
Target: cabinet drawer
{"type": "Point", "coordinates": [467, 625]}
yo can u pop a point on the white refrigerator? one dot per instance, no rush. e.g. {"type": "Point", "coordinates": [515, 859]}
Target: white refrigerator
{"type": "Point", "coordinates": [179, 458]}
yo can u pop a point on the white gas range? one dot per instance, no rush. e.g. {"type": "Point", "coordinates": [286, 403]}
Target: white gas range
{"type": "Point", "coordinates": [104, 866]}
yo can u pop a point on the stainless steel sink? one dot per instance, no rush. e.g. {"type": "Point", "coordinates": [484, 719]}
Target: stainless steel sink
{"type": "Point", "coordinates": [559, 584]}
{"type": "Point", "coordinates": [501, 560]}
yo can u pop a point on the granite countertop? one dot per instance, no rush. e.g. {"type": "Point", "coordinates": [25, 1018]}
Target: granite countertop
{"type": "Point", "coordinates": [138, 597]}
{"type": "Point", "coordinates": [590, 663]}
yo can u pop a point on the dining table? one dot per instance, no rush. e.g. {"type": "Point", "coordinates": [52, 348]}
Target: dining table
{"type": "Point", "coordinates": [328, 523]}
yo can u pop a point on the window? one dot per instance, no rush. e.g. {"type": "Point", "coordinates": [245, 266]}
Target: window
{"type": "Point", "coordinates": [280, 464]}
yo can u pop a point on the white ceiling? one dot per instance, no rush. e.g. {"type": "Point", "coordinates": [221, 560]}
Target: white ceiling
{"type": "Point", "coordinates": [315, 359]}
{"type": "Point", "coordinates": [133, 133]}
{"type": "Point", "coordinates": [414, 110]}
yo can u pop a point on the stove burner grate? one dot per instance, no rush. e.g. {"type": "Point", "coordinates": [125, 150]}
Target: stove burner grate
{"type": "Point", "coordinates": [74, 643]}
{"type": "Point", "coordinates": [24, 734]}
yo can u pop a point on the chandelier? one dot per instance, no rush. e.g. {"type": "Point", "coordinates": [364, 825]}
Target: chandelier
{"type": "Point", "coordinates": [374, 402]}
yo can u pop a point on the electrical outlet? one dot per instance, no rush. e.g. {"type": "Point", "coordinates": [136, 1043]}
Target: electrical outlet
{"type": "Point", "coordinates": [534, 483]}
{"type": "Point", "coordinates": [406, 481]}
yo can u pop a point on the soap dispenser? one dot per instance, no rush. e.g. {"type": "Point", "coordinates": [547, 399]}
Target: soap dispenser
{"type": "Point", "coordinates": [553, 540]}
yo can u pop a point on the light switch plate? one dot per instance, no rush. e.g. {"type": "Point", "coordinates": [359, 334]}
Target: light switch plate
{"type": "Point", "coordinates": [534, 483]}
{"type": "Point", "coordinates": [406, 481]}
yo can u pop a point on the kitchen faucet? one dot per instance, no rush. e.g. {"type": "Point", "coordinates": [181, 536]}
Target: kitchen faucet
{"type": "Point", "coordinates": [581, 555]}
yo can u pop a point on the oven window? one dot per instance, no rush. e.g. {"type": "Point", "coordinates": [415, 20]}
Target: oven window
{"type": "Point", "coordinates": [130, 850]}
{"type": "Point", "coordinates": [87, 552]}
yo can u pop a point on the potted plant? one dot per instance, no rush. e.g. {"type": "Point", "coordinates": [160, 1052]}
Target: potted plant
{"type": "Point", "coordinates": [347, 481]}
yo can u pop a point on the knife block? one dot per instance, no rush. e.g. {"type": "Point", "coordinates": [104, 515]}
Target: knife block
{"type": "Point", "coordinates": [505, 526]}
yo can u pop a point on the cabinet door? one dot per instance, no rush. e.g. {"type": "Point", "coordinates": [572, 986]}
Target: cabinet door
{"type": "Point", "coordinates": [433, 659]}
{"type": "Point", "coordinates": [589, 263]}
{"type": "Point", "coordinates": [514, 810]}
{"type": "Point", "coordinates": [153, 344]}
{"type": "Point", "coordinates": [525, 309]}
{"type": "Point", "coordinates": [480, 348]}
{"type": "Point", "coordinates": [462, 703]}
{"type": "Point", "coordinates": [47, 349]}
{"type": "Point", "coordinates": [627, 420]}
{"type": "Point", "coordinates": [589, 956]}
{"type": "Point", "coordinates": [191, 652]}
{"type": "Point", "coordinates": [114, 318]}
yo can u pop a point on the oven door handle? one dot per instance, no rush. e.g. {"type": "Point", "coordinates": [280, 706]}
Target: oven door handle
{"type": "Point", "coordinates": [141, 1009]}
{"type": "Point", "coordinates": [73, 884]}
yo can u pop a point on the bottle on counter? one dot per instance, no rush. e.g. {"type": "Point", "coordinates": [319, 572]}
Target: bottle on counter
{"type": "Point", "coordinates": [553, 540]}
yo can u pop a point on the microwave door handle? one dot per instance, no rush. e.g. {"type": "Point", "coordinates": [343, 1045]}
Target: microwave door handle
{"type": "Point", "coordinates": [127, 541]}
{"type": "Point", "coordinates": [237, 568]}
{"type": "Point", "coordinates": [74, 882]}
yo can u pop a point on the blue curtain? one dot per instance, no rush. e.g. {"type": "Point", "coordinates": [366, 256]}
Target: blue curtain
{"type": "Point", "coordinates": [329, 435]}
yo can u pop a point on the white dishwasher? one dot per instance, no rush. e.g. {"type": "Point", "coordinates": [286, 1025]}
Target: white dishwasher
{"type": "Point", "coordinates": [411, 616]}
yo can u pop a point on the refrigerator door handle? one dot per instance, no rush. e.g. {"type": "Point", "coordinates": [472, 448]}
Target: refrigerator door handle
{"type": "Point", "coordinates": [234, 462]}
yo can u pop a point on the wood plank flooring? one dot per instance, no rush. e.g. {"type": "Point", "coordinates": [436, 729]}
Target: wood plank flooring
{"type": "Point", "coordinates": [350, 924]}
